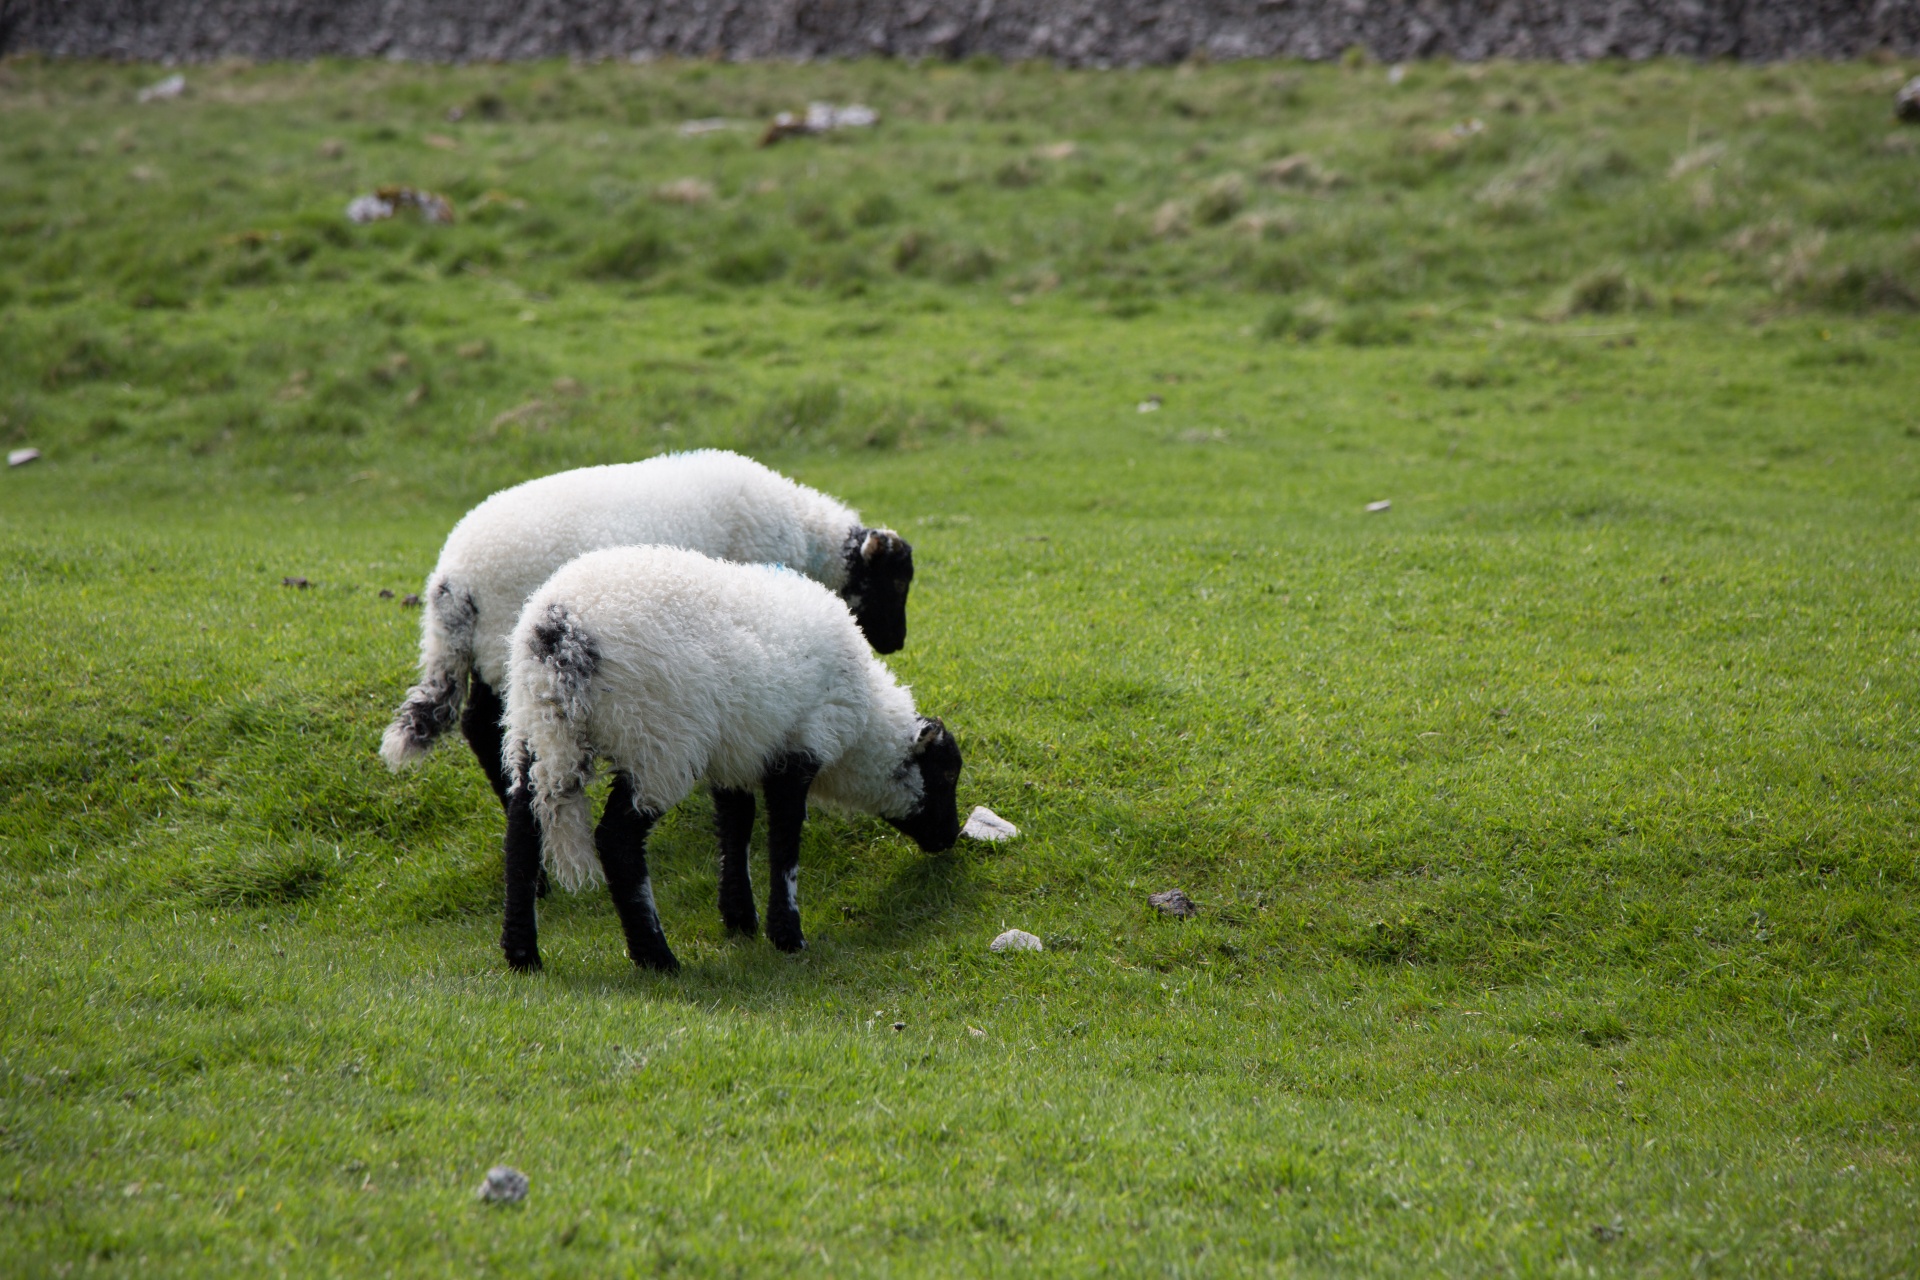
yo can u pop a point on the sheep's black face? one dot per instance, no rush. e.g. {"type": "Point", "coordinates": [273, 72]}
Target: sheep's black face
{"type": "Point", "coordinates": [879, 573]}
{"type": "Point", "coordinates": [934, 823]}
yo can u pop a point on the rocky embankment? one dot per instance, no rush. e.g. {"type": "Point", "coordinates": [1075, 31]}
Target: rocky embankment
{"type": "Point", "coordinates": [1079, 32]}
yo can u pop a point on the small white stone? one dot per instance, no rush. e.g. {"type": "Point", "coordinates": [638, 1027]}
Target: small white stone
{"type": "Point", "coordinates": [21, 457]}
{"type": "Point", "coordinates": [1015, 940]}
{"type": "Point", "coordinates": [171, 87]}
{"type": "Point", "coordinates": [504, 1185]}
{"type": "Point", "coordinates": [1906, 103]}
{"type": "Point", "coordinates": [984, 824]}
{"type": "Point", "coordinates": [365, 209]}
{"type": "Point", "coordinates": [1385, 504]}
{"type": "Point", "coordinates": [822, 116]}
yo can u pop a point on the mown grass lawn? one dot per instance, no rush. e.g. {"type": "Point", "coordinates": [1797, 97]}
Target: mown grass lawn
{"type": "Point", "coordinates": [1553, 830]}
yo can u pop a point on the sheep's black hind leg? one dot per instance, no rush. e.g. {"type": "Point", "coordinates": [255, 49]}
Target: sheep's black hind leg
{"type": "Point", "coordinates": [786, 786]}
{"type": "Point", "coordinates": [733, 824]}
{"type": "Point", "coordinates": [621, 840]}
{"type": "Point", "coordinates": [480, 725]}
{"type": "Point", "coordinates": [519, 935]}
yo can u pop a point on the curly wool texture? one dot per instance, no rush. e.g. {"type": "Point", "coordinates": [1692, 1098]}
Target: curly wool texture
{"type": "Point", "coordinates": [710, 500]}
{"type": "Point", "coordinates": [698, 668]}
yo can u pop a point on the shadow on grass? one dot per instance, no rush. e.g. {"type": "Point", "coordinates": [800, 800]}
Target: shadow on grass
{"type": "Point", "coordinates": [846, 943]}
{"type": "Point", "coordinates": [921, 893]}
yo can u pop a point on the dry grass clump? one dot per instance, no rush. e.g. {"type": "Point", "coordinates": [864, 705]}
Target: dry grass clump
{"type": "Point", "coordinates": [1603, 293]}
{"type": "Point", "coordinates": [687, 191]}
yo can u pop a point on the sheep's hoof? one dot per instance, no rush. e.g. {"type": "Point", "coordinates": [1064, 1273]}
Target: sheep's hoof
{"type": "Point", "coordinates": [527, 961]}
{"type": "Point", "coordinates": [661, 960]}
{"type": "Point", "coordinates": [785, 934]}
{"type": "Point", "coordinates": [741, 926]}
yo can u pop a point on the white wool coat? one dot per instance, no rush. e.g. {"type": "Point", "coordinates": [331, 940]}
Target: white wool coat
{"type": "Point", "coordinates": [712, 501]}
{"type": "Point", "coordinates": [677, 667]}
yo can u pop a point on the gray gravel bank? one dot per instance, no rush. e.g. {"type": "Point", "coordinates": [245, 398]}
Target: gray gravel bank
{"type": "Point", "coordinates": [1079, 32]}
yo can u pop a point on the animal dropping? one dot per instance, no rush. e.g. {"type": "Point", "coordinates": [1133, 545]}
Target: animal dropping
{"type": "Point", "coordinates": [1016, 940]}
{"type": "Point", "coordinates": [984, 824]}
{"type": "Point", "coordinates": [504, 1184]}
{"type": "Point", "coordinates": [1172, 902]}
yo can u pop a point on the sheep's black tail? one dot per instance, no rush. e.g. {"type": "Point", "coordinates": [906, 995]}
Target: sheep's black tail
{"type": "Point", "coordinates": [446, 661]}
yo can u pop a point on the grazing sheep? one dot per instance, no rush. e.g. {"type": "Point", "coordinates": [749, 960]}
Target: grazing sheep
{"type": "Point", "coordinates": [710, 501]}
{"type": "Point", "coordinates": [671, 667]}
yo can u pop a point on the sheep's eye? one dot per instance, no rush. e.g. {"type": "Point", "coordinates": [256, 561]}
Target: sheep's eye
{"type": "Point", "coordinates": [953, 775]}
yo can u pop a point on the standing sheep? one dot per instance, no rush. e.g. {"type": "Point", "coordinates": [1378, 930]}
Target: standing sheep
{"type": "Point", "coordinates": [710, 501]}
{"type": "Point", "coordinates": [672, 667]}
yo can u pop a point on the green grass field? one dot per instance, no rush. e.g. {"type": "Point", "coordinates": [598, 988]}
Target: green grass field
{"type": "Point", "coordinates": [1553, 831]}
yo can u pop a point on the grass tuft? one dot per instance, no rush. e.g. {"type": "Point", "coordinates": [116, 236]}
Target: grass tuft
{"type": "Point", "coordinates": [637, 255]}
{"type": "Point", "coordinates": [264, 876]}
{"type": "Point", "coordinates": [1601, 293]}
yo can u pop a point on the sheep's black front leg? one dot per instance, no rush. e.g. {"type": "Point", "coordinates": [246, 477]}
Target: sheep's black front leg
{"type": "Point", "coordinates": [786, 786]}
{"type": "Point", "coordinates": [733, 824]}
{"type": "Point", "coordinates": [480, 725]}
{"type": "Point", "coordinates": [519, 936]}
{"type": "Point", "coordinates": [621, 840]}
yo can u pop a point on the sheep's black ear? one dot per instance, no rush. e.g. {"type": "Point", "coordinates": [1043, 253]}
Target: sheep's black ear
{"type": "Point", "coordinates": [931, 731]}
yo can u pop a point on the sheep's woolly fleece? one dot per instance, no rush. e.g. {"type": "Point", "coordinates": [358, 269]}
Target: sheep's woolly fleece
{"type": "Point", "coordinates": [709, 500]}
{"type": "Point", "coordinates": [672, 667]}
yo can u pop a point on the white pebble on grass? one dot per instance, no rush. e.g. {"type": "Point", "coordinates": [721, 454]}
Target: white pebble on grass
{"type": "Point", "coordinates": [822, 116]}
{"type": "Point", "coordinates": [984, 824]}
{"type": "Point", "coordinates": [1016, 940]}
{"type": "Point", "coordinates": [364, 209]}
{"type": "Point", "coordinates": [171, 87]}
